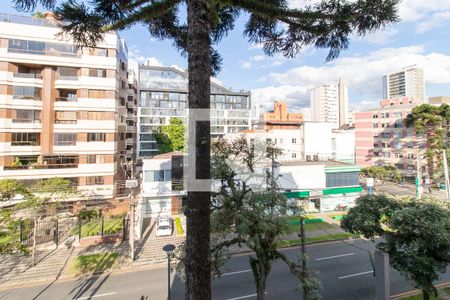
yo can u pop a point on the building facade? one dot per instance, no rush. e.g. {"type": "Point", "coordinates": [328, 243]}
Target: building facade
{"type": "Point", "coordinates": [383, 139]}
{"type": "Point", "coordinates": [409, 82]}
{"type": "Point", "coordinates": [329, 103]}
{"type": "Point", "coordinates": [163, 93]}
{"type": "Point", "coordinates": [329, 185]}
{"type": "Point", "coordinates": [62, 109]}
{"type": "Point", "coordinates": [280, 118]}
{"type": "Point", "coordinates": [289, 141]}
{"type": "Point", "coordinates": [131, 136]}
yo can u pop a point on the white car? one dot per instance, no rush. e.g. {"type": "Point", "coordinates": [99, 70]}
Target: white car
{"type": "Point", "coordinates": [164, 226]}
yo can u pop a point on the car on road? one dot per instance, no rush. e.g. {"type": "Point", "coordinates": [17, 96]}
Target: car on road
{"type": "Point", "coordinates": [164, 226]}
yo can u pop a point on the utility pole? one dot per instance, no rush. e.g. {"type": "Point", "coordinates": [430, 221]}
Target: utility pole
{"type": "Point", "coordinates": [447, 181]}
{"type": "Point", "coordinates": [301, 235]}
{"type": "Point", "coordinates": [131, 238]}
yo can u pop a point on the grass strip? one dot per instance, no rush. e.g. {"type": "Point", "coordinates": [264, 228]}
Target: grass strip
{"type": "Point", "coordinates": [94, 263]}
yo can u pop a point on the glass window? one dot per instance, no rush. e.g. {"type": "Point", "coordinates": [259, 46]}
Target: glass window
{"type": "Point", "coordinates": [27, 116]}
{"type": "Point", "coordinates": [65, 139]}
{"type": "Point", "coordinates": [158, 175]}
{"type": "Point", "coordinates": [94, 180]}
{"type": "Point", "coordinates": [342, 179]}
{"type": "Point", "coordinates": [25, 139]}
{"type": "Point", "coordinates": [27, 92]}
{"type": "Point", "coordinates": [97, 72]}
{"type": "Point", "coordinates": [96, 137]}
{"type": "Point", "coordinates": [91, 159]}
{"type": "Point", "coordinates": [65, 117]}
{"type": "Point", "coordinates": [102, 52]}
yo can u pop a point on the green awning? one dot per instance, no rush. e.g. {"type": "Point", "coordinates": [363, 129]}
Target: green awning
{"type": "Point", "coordinates": [342, 190]}
{"type": "Point", "coordinates": [298, 194]}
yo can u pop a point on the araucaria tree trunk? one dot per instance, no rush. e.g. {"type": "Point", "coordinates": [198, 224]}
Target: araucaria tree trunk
{"type": "Point", "coordinates": [198, 260]}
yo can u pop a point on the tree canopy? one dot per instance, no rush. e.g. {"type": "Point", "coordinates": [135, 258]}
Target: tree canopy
{"type": "Point", "coordinates": [382, 173]}
{"type": "Point", "coordinates": [171, 137]}
{"type": "Point", "coordinates": [432, 123]}
{"type": "Point", "coordinates": [415, 234]}
{"type": "Point", "coordinates": [327, 24]}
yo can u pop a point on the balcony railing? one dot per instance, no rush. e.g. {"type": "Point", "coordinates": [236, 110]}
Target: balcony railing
{"type": "Point", "coordinates": [25, 143]}
{"type": "Point", "coordinates": [24, 97]}
{"type": "Point", "coordinates": [65, 121]}
{"type": "Point", "coordinates": [36, 121]}
{"type": "Point", "coordinates": [27, 75]}
{"type": "Point", "coordinates": [41, 166]}
{"type": "Point", "coordinates": [67, 77]}
{"type": "Point", "coordinates": [66, 99]}
{"type": "Point", "coordinates": [26, 20]}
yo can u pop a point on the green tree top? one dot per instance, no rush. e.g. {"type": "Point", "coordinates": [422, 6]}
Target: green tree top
{"type": "Point", "coordinates": [171, 137]}
{"type": "Point", "coordinates": [416, 234]}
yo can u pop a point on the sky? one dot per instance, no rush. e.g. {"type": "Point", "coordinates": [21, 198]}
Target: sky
{"type": "Point", "coordinates": [421, 37]}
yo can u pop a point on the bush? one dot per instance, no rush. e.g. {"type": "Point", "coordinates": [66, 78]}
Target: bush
{"type": "Point", "coordinates": [178, 226]}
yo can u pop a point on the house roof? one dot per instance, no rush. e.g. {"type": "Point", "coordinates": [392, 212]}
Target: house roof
{"type": "Point", "coordinates": [168, 155]}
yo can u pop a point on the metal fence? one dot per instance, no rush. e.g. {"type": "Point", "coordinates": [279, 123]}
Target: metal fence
{"type": "Point", "coordinates": [46, 230]}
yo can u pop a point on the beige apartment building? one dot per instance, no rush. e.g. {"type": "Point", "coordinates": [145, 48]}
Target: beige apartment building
{"type": "Point", "coordinates": [62, 108]}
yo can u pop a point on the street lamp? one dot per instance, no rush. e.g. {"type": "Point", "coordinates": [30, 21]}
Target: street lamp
{"type": "Point", "coordinates": [168, 249]}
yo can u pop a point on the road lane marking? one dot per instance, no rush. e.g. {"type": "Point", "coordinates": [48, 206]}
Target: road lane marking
{"type": "Point", "coordinates": [244, 297]}
{"type": "Point", "coordinates": [357, 274]}
{"type": "Point", "coordinates": [335, 256]}
{"type": "Point", "coordinates": [237, 272]}
{"type": "Point", "coordinates": [95, 296]}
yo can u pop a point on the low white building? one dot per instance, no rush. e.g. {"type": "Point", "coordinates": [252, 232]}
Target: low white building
{"type": "Point", "coordinates": [321, 185]}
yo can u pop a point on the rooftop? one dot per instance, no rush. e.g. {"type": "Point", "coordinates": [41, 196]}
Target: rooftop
{"type": "Point", "coordinates": [168, 155]}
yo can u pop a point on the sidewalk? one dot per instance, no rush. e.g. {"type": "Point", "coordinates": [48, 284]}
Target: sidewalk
{"type": "Point", "coordinates": [51, 264]}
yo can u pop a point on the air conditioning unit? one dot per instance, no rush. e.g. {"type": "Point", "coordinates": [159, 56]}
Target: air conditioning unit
{"type": "Point", "coordinates": [316, 157]}
{"type": "Point", "coordinates": [308, 158]}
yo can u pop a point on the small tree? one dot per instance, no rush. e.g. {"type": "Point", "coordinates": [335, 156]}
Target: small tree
{"type": "Point", "coordinates": [249, 209]}
{"type": "Point", "coordinates": [383, 173]}
{"type": "Point", "coordinates": [416, 235]}
{"type": "Point", "coordinates": [171, 137]}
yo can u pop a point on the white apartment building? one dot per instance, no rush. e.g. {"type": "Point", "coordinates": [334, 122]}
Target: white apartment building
{"type": "Point", "coordinates": [163, 93]}
{"type": "Point", "coordinates": [62, 109]}
{"type": "Point", "coordinates": [409, 82]}
{"type": "Point", "coordinates": [313, 141]}
{"type": "Point", "coordinates": [289, 141]}
{"type": "Point", "coordinates": [329, 103]}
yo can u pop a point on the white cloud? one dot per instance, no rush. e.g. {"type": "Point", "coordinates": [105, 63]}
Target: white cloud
{"type": "Point", "coordinates": [380, 37]}
{"type": "Point", "coordinates": [246, 65]}
{"type": "Point", "coordinates": [436, 20]}
{"type": "Point", "coordinates": [364, 73]}
{"type": "Point", "coordinates": [135, 57]}
{"type": "Point", "coordinates": [296, 97]}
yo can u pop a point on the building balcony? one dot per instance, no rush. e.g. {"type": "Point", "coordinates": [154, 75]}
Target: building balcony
{"type": "Point", "coordinates": [41, 166]}
{"type": "Point", "coordinates": [66, 99]}
{"type": "Point", "coordinates": [27, 75]}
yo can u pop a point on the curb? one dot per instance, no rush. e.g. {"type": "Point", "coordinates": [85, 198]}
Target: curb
{"type": "Point", "coordinates": [416, 291]}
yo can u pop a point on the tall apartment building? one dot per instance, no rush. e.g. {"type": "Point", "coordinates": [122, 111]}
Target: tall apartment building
{"type": "Point", "coordinates": [280, 118]}
{"type": "Point", "coordinates": [62, 109]}
{"type": "Point", "coordinates": [163, 93]}
{"type": "Point", "coordinates": [130, 143]}
{"type": "Point", "coordinates": [329, 103]}
{"type": "Point", "coordinates": [382, 139]}
{"type": "Point", "coordinates": [409, 82]}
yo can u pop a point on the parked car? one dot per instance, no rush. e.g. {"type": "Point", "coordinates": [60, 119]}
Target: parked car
{"type": "Point", "coordinates": [164, 226]}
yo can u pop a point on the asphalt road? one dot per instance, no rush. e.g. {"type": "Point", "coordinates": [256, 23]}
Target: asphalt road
{"type": "Point", "coordinates": [345, 271]}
